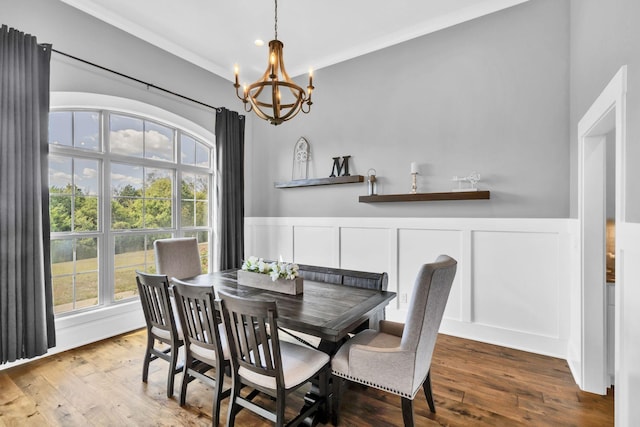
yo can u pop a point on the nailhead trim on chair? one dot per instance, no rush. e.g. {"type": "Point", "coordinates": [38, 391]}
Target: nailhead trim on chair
{"type": "Point", "coordinates": [358, 380]}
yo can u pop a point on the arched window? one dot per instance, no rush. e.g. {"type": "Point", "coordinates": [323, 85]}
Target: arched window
{"type": "Point", "coordinates": [121, 176]}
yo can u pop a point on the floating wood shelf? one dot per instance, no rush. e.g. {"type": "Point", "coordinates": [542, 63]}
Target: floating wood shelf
{"type": "Point", "coordinates": [426, 197]}
{"type": "Point", "coordinates": [320, 181]}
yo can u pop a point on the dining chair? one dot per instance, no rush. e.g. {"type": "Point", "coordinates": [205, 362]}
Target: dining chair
{"type": "Point", "coordinates": [178, 257]}
{"type": "Point", "coordinates": [205, 342]}
{"type": "Point", "coordinates": [161, 325]}
{"type": "Point", "coordinates": [397, 358]}
{"type": "Point", "coordinates": [263, 362]}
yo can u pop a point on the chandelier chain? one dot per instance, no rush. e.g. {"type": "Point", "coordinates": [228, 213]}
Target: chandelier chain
{"type": "Point", "coordinates": [276, 20]}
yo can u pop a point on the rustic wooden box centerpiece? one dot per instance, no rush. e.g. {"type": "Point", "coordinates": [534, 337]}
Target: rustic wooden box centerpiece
{"type": "Point", "coordinates": [264, 281]}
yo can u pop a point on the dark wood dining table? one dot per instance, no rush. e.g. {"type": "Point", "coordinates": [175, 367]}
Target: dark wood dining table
{"type": "Point", "coordinates": [324, 310]}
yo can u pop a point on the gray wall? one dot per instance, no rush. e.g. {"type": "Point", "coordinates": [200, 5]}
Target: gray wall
{"type": "Point", "coordinates": [605, 35]}
{"type": "Point", "coordinates": [490, 95]}
{"type": "Point", "coordinates": [81, 35]}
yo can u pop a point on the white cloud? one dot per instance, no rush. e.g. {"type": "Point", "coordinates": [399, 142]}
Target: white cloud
{"type": "Point", "coordinates": [89, 173]}
{"type": "Point", "coordinates": [120, 180]}
{"type": "Point", "coordinates": [126, 141]}
{"type": "Point", "coordinates": [62, 177]}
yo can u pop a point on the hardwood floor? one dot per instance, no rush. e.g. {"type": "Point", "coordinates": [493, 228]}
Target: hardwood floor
{"type": "Point", "coordinates": [474, 384]}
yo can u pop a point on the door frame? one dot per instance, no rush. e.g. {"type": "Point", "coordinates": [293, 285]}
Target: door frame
{"type": "Point", "coordinates": [608, 112]}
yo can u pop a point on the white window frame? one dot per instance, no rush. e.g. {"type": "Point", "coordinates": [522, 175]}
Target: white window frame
{"type": "Point", "coordinates": [61, 101]}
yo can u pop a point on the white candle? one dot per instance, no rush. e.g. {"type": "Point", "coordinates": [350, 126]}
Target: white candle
{"type": "Point", "coordinates": [414, 167]}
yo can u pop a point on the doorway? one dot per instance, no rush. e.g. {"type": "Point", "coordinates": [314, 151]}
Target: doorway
{"type": "Point", "coordinates": [606, 117]}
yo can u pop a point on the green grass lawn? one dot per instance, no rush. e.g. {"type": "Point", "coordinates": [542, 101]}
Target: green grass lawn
{"type": "Point", "coordinates": [86, 278]}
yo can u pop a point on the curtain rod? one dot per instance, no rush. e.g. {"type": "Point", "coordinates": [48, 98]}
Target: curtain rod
{"type": "Point", "coordinates": [149, 85]}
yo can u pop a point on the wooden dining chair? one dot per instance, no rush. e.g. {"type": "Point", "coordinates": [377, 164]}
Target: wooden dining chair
{"type": "Point", "coordinates": [178, 257]}
{"type": "Point", "coordinates": [161, 324]}
{"type": "Point", "coordinates": [265, 363]}
{"type": "Point", "coordinates": [207, 353]}
{"type": "Point", "coordinates": [397, 358]}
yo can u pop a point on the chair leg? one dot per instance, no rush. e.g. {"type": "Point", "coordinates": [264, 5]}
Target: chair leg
{"type": "Point", "coordinates": [407, 412]}
{"type": "Point", "coordinates": [217, 396]}
{"type": "Point", "coordinates": [235, 392]}
{"type": "Point", "coordinates": [428, 394]}
{"type": "Point", "coordinates": [147, 358]}
{"type": "Point", "coordinates": [172, 371]}
{"type": "Point", "coordinates": [280, 405]}
{"type": "Point", "coordinates": [185, 381]}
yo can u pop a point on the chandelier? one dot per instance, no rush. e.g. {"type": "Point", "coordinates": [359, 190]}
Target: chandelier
{"type": "Point", "coordinates": [275, 97]}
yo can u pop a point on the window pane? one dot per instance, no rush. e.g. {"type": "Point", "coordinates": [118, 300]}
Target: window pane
{"type": "Point", "coordinates": [202, 214]}
{"type": "Point", "coordinates": [133, 253]}
{"type": "Point", "coordinates": [60, 175]}
{"type": "Point", "coordinates": [60, 128]}
{"type": "Point", "coordinates": [85, 214]}
{"type": "Point", "coordinates": [75, 278]}
{"type": "Point", "coordinates": [158, 198]}
{"type": "Point", "coordinates": [187, 216]}
{"type": "Point", "coordinates": [187, 186]}
{"type": "Point", "coordinates": [63, 294]}
{"type": "Point", "coordinates": [126, 135]}
{"type": "Point", "coordinates": [86, 130]}
{"type": "Point", "coordinates": [86, 290]}
{"type": "Point", "coordinates": [126, 213]}
{"type": "Point", "coordinates": [86, 255]}
{"type": "Point", "coordinates": [202, 155]}
{"type": "Point", "coordinates": [188, 150]}
{"type": "Point", "coordinates": [157, 213]}
{"type": "Point", "coordinates": [86, 177]}
{"type": "Point", "coordinates": [60, 213]}
{"type": "Point", "coordinates": [127, 202]}
{"type": "Point", "coordinates": [61, 255]}
{"type": "Point", "coordinates": [158, 183]}
{"type": "Point", "coordinates": [126, 180]}
{"type": "Point", "coordinates": [129, 257]}
{"type": "Point", "coordinates": [158, 142]}
{"type": "Point", "coordinates": [201, 183]}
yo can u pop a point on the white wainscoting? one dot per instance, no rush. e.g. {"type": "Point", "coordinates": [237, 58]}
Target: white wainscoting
{"type": "Point", "coordinates": [514, 275]}
{"type": "Point", "coordinates": [627, 316]}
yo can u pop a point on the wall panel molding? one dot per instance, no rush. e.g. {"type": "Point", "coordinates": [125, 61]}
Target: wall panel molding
{"type": "Point", "coordinates": [514, 274]}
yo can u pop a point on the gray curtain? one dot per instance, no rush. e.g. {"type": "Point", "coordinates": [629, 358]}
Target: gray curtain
{"type": "Point", "coordinates": [26, 304]}
{"type": "Point", "coordinates": [230, 189]}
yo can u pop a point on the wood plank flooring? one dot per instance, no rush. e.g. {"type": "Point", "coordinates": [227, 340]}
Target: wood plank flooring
{"type": "Point", "coordinates": [474, 384]}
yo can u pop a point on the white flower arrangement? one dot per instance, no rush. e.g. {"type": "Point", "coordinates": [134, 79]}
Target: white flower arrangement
{"type": "Point", "coordinates": [277, 270]}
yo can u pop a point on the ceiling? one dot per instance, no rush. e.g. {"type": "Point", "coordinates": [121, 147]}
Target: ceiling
{"type": "Point", "coordinates": [216, 34]}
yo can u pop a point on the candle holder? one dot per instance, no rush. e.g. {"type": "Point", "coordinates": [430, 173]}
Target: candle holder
{"type": "Point", "coordinates": [371, 182]}
{"type": "Point", "coordinates": [414, 184]}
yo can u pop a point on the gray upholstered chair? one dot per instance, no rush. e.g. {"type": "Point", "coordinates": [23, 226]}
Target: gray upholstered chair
{"type": "Point", "coordinates": [161, 324]}
{"type": "Point", "coordinates": [397, 358]}
{"type": "Point", "coordinates": [206, 347]}
{"type": "Point", "coordinates": [264, 363]}
{"type": "Point", "coordinates": [178, 257]}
